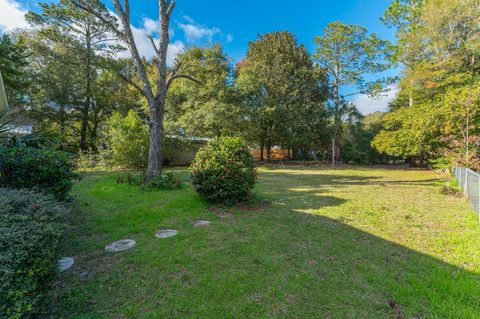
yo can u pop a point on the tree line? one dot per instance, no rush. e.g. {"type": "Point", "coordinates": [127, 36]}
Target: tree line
{"type": "Point", "coordinates": [435, 117]}
{"type": "Point", "coordinates": [68, 73]}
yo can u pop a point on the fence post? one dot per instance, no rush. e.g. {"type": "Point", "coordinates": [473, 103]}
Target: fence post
{"type": "Point", "coordinates": [478, 199]}
{"type": "Point", "coordinates": [465, 188]}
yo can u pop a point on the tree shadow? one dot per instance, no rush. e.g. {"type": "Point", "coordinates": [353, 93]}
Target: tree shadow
{"type": "Point", "coordinates": [283, 262]}
{"type": "Point", "coordinates": [354, 274]}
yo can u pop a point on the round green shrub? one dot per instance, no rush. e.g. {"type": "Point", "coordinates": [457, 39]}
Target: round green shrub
{"type": "Point", "coordinates": [223, 171]}
{"type": "Point", "coordinates": [31, 227]}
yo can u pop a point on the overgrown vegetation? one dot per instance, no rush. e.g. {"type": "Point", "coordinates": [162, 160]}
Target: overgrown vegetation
{"type": "Point", "coordinates": [31, 227]}
{"type": "Point", "coordinates": [223, 171]}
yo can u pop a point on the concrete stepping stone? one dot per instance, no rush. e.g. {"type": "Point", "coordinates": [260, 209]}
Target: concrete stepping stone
{"type": "Point", "coordinates": [65, 263]}
{"type": "Point", "coordinates": [120, 245]}
{"type": "Point", "coordinates": [200, 223]}
{"type": "Point", "coordinates": [165, 233]}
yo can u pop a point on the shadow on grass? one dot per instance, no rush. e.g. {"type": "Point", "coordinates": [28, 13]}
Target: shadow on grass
{"type": "Point", "coordinates": [349, 273]}
{"type": "Point", "coordinates": [275, 263]}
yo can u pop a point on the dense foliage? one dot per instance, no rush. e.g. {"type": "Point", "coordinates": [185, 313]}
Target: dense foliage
{"type": "Point", "coordinates": [31, 228]}
{"type": "Point", "coordinates": [129, 140]}
{"type": "Point", "coordinates": [41, 170]}
{"type": "Point", "coordinates": [283, 94]}
{"type": "Point", "coordinates": [357, 148]}
{"type": "Point", "coordinates": [348, 53]}
{"type": "Point", "coordinates": [223, 171]}
{"type": "Point", "coordinates": [436, 112]}
{"type": "Point", "coordinates": [64, 75]}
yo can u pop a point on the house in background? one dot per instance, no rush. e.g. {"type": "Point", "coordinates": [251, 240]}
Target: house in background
{"type": "Point", "coordinates": [181, 150]}
{"type": "Point", "coordinates": [14, 123]}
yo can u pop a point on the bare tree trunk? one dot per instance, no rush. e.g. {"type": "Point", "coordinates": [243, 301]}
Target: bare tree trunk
{"type": "Point", "coordinates": [156, 101]}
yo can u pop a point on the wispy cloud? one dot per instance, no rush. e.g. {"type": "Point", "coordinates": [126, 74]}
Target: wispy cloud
{"type": "Point", "coordinates": [150, 28]}
{"type": "Point", "coordinates": [366, 104]}
{"type": "Point", "coordinates": [12, 15]}
{"type": "Point", "coordinates": [195, 32]}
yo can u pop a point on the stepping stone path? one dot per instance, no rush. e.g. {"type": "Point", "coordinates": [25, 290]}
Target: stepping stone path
{"type": "Point", "coordinates": [120, 245]}
{"type": "Point", "coordinates": [200, 223]}
{"type": "Point", "coordinates": [65, 263]}
{"type": "Point", "coordinates": [165, 233]}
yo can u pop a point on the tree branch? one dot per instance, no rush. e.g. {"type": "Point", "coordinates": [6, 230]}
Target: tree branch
{"type": "Point", "coordinates": [109, 24]}
{"type": "Point", "coordinates": [170, 7]}
{"type": "Point", "coordinates": [129, 81]}
{"type": "Point", "coordinates": [153, 43]}
{"type": "Point", "coordinates": [184, 76]}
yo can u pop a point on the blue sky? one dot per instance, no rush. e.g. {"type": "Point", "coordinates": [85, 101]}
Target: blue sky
{"type": "Point", "coordinates": [243, 20]}
{"type": "Point", "coordinates": [235, 23]}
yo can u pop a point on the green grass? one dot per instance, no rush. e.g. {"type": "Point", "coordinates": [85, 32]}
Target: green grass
{"type": "Point", "coordinates": [349, 243]}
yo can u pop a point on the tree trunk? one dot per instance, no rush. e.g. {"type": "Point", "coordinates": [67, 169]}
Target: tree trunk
{"type": "Point", "coordinates": [88, 90]}
{"type": "Point", "coordinates": [62, 125]}
{"type": "Point", "coordinates": [155, 152]}
{"type": "Point", "coordinates": [336, 115]}
{"type": "Point", "coordinates": [269, 151]}
{"type": "Point", "coordinates": [262, 146]}
{"type": "Point", "coordinates": [93, 136]}
{"type": "Point", "coordinates": [333, 151]}
{"type": "Point", "coordinates": [156, 100]}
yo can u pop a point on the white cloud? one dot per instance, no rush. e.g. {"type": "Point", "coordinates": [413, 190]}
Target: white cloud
{"type": "Point", "coordinates": [12, 15]}
{"type": "Point", "coordinates": [196, 32]}
{"type": "Point", "coordinates": [366, 104]}
{"type": "Point", "coordinates": [144, 46]}
{"type": "Point", "coordinates": [174, 49]}
{"type": "Point", "coordinates": [151, 26]}
{"type": "Point", "coordinates": [229, 38]}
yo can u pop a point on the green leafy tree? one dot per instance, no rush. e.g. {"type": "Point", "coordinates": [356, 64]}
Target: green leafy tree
{"type": "Point", "coordinates": [348, 53]}
{"type": "Point", "coordinates": [58, 20]}
{"type": "Point", "coordinates": [211, 110]}
{"type": "Point", "coordinates": [435, 112]}
{"type": "Point", "coordinates": [55, 96]}
{"type": "Point", "coordinates": [278, 82]}
{"type": "Point", "coordinates": [13, 66]}
{"type": "Point", "coordinates": [156, 93]}
{"type": "Point", "coordinates": [128, 139]}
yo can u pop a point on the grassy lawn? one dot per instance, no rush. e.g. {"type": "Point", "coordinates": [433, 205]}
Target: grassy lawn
{"type": "Point", "coordinates": [349, 243]}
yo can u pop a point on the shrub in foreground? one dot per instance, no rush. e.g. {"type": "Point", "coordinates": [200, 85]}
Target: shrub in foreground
{"type": "Point", "coordinates": [41, 170]}
{"type": "Point", "coordinates": [30, 231]}
{"type": "Point", "coordinates": [223, 171]}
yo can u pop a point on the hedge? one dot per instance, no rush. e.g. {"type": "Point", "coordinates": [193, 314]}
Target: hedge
{"type": "Point", "coordinates": [42, 170]}
{"type": "Point", "coordinates": [31, 226]}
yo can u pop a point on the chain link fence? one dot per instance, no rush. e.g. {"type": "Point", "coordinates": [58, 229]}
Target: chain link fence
{"type": "Point", "coordinates": [469, 182]}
